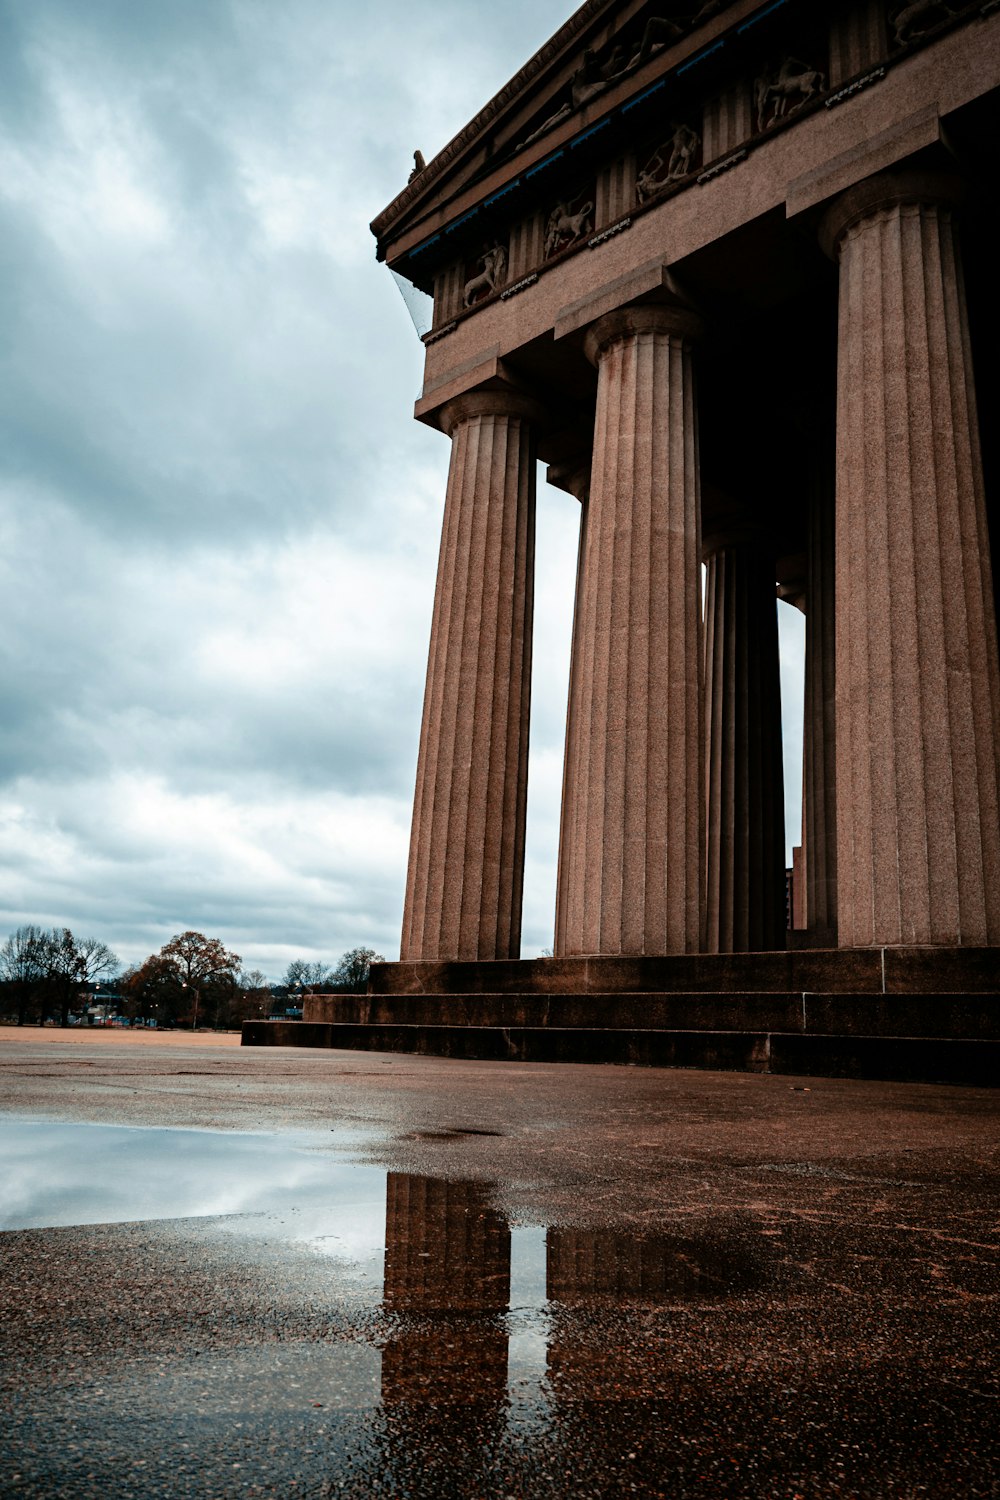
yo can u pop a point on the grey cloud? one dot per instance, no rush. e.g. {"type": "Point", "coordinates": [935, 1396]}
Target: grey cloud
{"type": "Point", "coordinates": [219, 521]}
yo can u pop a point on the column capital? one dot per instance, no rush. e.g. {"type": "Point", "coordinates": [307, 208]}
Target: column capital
{"type": "Point", "coordinates": [487, 401]}
{"type": "Point", "coordinates": [571, 476]}
{"type": "Point", "coordinates": [644, 317]}
{"type": "Point", "coordinates": [885, 190]}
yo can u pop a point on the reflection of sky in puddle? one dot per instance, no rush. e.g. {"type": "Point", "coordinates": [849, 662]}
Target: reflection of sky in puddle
{"type": "Point", "coordinates": [528, 1327]}
{"type": "Point", "coordinates": [56, 1174]}
{"type": "Point", "coordinates": [438, 1255]}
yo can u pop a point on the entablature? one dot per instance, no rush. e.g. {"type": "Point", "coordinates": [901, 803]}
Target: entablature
{"type": "Point", "coordinates": [494, 217]}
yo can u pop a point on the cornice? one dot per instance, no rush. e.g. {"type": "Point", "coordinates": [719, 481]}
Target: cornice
{"type": "Point", "coordinates": [566, 34]}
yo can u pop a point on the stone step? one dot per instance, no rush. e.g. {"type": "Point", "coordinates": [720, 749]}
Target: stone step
{"type": "Point", "coordinates": [912, 1059]}
{"type": "Point", "coordinates": [818, 970]}
{"type": "Point", "coordinates": [926, 1015]}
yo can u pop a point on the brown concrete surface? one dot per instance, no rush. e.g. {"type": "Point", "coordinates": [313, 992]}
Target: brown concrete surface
{"type": "Point", "coordinates": [751, 1286]}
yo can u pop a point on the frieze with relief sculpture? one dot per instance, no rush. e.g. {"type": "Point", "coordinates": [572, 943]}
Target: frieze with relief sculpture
{"type": "Point", "coordinates": [671, 162]}
{"type": "Point", "coordinates": [593, 76]}
{"type": "Point", "coordinates": [574, 27]}
{"type": "Point", "coordinates": [589, 80]}
{"type": "Point", "coordinates": [785, 91]}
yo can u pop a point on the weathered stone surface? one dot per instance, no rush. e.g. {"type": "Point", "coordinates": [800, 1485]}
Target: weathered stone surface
{"type": "Point", "coordinates": [631, 856]}
{"type": "Point", "coordinates": [934, 1059]}
{"type": "Point", "coordinates": [918, 682]}
{"type": "Point", "coordinates": [928, 1014]}
{"type": "Point", "coordinates": [463, 891]}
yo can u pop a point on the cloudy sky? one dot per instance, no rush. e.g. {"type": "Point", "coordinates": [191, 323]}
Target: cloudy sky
{"type": "Point", "coordinates": [218, 521]}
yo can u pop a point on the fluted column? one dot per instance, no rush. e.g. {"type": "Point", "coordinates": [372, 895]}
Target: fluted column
{"type": "Point", "coordinates": [632, 838]}
{"type": "Point", "coordinates": [918, 684]}
{"type": "Point", "coordinates": [465, 876]}
{"type": "Point", "coordinates": [819, 779]}
{"type": "Point", "coordinates": [745, 846]}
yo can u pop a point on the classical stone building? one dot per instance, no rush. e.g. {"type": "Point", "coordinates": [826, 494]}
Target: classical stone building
{"type": "Point", "coordinates": [707, 263]}
{"type": "Point", "coordinates": [725, 268]}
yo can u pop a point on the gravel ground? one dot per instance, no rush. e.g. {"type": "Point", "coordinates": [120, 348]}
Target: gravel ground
{"type": "Point", "coordinates": [596, 1281]}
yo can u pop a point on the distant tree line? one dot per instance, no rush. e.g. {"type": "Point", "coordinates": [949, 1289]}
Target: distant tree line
{"type": "Point", "coordinates": [44, 970]}
{"type": "Point", "coordinates": [50, 975]}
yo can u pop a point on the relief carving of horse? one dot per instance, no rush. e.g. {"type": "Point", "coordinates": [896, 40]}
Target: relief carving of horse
{"type": "Point", "coordinates": [792, 78]}
{"type": "Point", "coordinates": [563, 227]}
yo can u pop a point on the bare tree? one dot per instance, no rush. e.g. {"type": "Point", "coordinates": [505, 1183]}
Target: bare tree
{"type": "Point", "coordinates": [62, 973]}
{"type": "Point", "coordinates": [252, 998]}
{"type": "Point", "coordinates": [353, 970]}
{"type": "Point", "coordinates": [301, 974]}
{"type": "Point", "coordinates": [95, 960]}
{"type": "Point", "coordinates": [23, 967]}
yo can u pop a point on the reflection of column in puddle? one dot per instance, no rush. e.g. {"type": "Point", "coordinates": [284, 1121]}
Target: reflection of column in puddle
{"type": "Point", "coordinates": [594, 1355]}
{"type": "Point", "coordinates": [447, 1262]}
{"type": "Point", "coordinates": [584, 1264]}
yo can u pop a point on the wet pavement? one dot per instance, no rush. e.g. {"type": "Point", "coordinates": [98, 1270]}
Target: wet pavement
{"type": "Point", "coordinates": [236, 1272]}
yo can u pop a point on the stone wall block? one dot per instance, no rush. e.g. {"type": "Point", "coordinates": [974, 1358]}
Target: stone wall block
{"type": "Point", "coordinates": [632, 842]}
{"type": "Point", "coordinates": [918, 684]}
{"type": "Point", "coordinates": [465, 875]}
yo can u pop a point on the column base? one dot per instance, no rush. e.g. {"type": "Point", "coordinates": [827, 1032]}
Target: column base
{"type": "Point", "coordinates": [922, 1014]}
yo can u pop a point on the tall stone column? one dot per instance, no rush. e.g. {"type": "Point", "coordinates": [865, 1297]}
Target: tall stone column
{"type": "Point", "coordinates": [918, 683]}
{"type": "Point", "coordinates": [465, 876]}
{"type": "Point", "coordinates": [819, 778]}
{"type": "Point", "coordinates": [632, 839]}
{"type": "Point", "coordinates": [745, 845]}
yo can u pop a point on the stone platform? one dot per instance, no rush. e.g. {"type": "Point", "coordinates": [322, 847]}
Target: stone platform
{"type": "Point", "coordinates": [917, 1014]}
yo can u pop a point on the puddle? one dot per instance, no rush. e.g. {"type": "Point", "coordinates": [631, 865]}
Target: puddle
{"type": "Point", "coordinates": [432, 1244]}
{"type": "Point", "coordinates": [356, 1317]}
{"type": "Point", "coordinates": [54, 1174]}
{"type": "Point", "coordinates": [470, 1301]}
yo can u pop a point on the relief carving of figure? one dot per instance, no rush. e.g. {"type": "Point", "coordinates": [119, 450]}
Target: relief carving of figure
{"type": "Point", "coordinates": [658, 34]}
{"type": "Point", "coordinates": [662, 167]}
{"type": "Point", "coordinates": [709, 9]}
{"type": "Point", "coordinates": [587, 82]}
{"type": "Point", "coordinates": [590, 79]}
{"type": "Point", "coordinates": [492, 276]}
{"type": "Point", "coordinates": [565, 228]}
{"type": "Point", "coordinates": [790, 88]}
{"type": "Point", "coordinates": [917, 16]}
